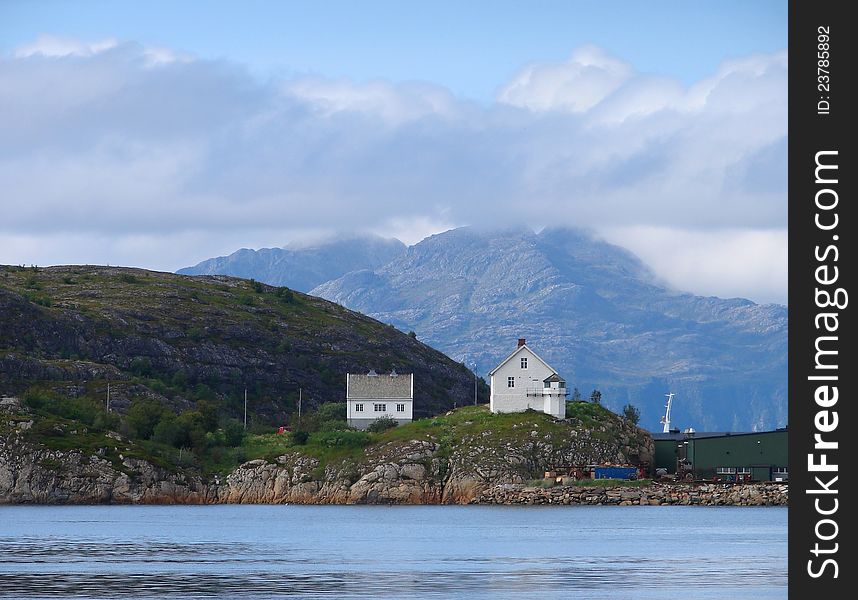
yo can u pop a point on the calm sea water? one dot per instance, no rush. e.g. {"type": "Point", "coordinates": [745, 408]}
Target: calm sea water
{"type": "Point", "coordinates": [392, 552]}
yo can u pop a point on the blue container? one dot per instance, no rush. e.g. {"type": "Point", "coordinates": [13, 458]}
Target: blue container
{"type": "Point", "coordinates": [616, 473]}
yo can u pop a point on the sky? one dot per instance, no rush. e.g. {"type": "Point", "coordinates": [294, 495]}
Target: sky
{"type": "Point", "coordinates": [159, 134]}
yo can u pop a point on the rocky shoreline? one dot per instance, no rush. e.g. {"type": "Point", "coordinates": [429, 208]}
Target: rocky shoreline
{"type": "Point", "coordinates": [465, 463]}
{"type": "Point", "coordinates": [414, 478]}
{"type": "Point", "coordinates": [657, 494]}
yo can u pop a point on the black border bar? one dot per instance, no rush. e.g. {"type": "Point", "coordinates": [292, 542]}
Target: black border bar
{"type": "Point", "coordinates": [822, 369]}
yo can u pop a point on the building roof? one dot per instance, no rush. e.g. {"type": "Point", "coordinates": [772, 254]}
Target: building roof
{"type": "Point", "coordinates": [516, 351]}
{"type": "Point", "coordinates": [554, 377]}
{"type": "Point", "coordinates": [680, 437]}
{"type": "Point", "coordinates": [372, 386]}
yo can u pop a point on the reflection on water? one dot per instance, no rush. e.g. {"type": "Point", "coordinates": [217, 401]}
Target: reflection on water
{"type": "Point", "coordinates": [392, 552]}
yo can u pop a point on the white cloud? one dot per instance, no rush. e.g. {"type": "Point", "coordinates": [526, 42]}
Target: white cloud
{"type": "Point", "coordinates": [113, 141]}
{"type": "Point", "coordinates": [58, 46]}
{"type": "Point", "coordinates": [577, 85]}
{"type": "Point", "coordinates": [725, 263]}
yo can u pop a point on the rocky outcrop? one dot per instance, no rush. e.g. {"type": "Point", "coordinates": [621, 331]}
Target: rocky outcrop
{"type": "Point", "coordinates": [467, 456]}
{"type": "Point", "coordinates": [414, 472]}
{"type": "Point", "coordinates": [408, 473]}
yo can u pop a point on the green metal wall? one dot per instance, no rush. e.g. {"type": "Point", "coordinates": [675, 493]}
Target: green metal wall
{"type": "Point", "coordinates": [665, 454]}
{"type": "Point", "coordinates": [765, 449]}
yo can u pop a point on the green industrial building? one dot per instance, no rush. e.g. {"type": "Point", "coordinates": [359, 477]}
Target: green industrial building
{"type": "Point", "coordinates": [757, 456]}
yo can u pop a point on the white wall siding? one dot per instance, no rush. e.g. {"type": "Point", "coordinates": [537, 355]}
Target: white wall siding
{"type": "Point", "coordinates": [370, 413]}
{"type": "Point", "coordinates": [506, 399]}
{"type": "Point", "coordinates": [363, 419]}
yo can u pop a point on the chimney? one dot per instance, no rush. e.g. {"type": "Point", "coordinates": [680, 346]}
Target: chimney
{"type": "Point", "coordinates": [520, 342]}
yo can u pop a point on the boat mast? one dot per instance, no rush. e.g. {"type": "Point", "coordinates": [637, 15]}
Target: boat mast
{"type": "Point", "coordinates": [666, 418]}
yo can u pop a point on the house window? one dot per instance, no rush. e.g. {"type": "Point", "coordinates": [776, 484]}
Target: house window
{"type": "Point", "coordinates": [562, 385]}
{"type": "Point", "coordinates": [400, 408]}
{"type": "Point", "coordinates": [547, 385]}
{"type": "Point", "coordinates": [510, 382]}
{"type": "Point", "coordinates": [524, 362]}
{"type": "Point", "coordinates": [725, 470]}
{"type": "Point", "coordinates": [379, 407]}
{"type": "Point", "coordinates": [780, 470]}
{"type": "Point", "coordinates": [358, 407]}
{"type": "Point", "coordinates": [743, 470]}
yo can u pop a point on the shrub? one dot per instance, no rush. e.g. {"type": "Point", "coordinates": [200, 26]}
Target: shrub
{"type": "Point", "coordinates": [106, 421]}
{"type": "Point", "coordinates": [285, 294]}
{"type": "Point", "coordinates": [167, 430]}
{"type": "Point", "coordinates": [382, 424]}
{"type": "Point", "coordinates": [299, 438]}
{"type": "Point", "coordinates": [257, 287]}
{"type": "Point", "coordinates": [143, 416]}
{"type": "Point", "coordinates": [207, 410]}
{"type": "Point", "coordinates": [343, 439]}
{"type": "Point", "coordinates": [335, 425]}
{"type": "Point", "coordinates": [632, 414]}
{"type": "Point", "coordinates": [332, 411]}
{"type": "Point", "coordinates": [141, 366]}
{"type": "Point", "coordinates": [233, 432]}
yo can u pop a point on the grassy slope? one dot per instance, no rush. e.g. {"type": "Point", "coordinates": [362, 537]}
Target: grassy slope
{"type": "Point", "coordinates": [456, 430]}
{"type": "Point", "coordinates": [184, 338]}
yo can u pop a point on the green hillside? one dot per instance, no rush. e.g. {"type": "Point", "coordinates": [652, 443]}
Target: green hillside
{"type": "Point", "coordinates": [69, 332]}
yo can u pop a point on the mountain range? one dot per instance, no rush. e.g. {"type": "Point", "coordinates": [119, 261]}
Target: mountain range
{"type": "Point", "coordinates": [303, 267]}
{"type": "Point", "coordinates": [593, 310]}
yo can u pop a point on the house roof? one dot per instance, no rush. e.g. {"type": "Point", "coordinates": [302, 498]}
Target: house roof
{"type": "Point", "coordinates": [370, 387]}
{"type": "Point", "coordinates": [553, 378]}
{"type": "Point", "coordinates": [516, 351]}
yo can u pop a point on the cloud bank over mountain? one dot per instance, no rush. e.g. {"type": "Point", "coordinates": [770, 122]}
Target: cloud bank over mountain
{"type": "Point", "coordinates": [117, 153]}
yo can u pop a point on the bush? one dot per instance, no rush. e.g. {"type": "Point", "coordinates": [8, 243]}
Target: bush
{"type": "Point", "coordinates": [343, 439]}
{"type": "Point", "coordinates": [142, 418]}
{"type": "Point", "coordinates": [299, 438]}
{"type": "Point", "coordinates": [106, 421]}
{"type": "Point", "coordinates": [207, 410]}
{"type": "Point", "coordinates": [285, 294]}
{"type": "Point", "coordinates": [632, 414]}
{"type": "Point", "coordinates": [167, 431]}
{"type": "Point", "coordinates": [336, 425]}
{"type": "Point", "coordinates": [233, 432]}
{"type": "Point", "coordinates": [332, 411]}
{"type": "Point", "coordinates": [141, 366]}
{"type": "Point", "coordinates": [382, 424]}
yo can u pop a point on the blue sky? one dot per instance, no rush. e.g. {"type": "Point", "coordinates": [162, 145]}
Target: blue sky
{"type": "Point", "coordinates": [158, 134]}
{"type": "Point", "coordinates": [467, 47]}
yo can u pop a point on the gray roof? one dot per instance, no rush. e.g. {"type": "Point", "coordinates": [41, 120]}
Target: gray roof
{"type": "Point", "coordinates": [554, 377]}
{"type": "Point", "coordinates": [709, 434]}
{"type": "Point", "coordinates": [385, 386]}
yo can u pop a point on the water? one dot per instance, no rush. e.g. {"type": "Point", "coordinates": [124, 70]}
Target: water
{"type": "Point", "coordinates": [472, 552]}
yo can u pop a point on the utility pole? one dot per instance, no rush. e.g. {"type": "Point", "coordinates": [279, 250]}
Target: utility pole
{"type": "Point", "coordinates": [245, 409]}
{"type": "Point", "coordinates": [300, 392]}
{"type": "Point", "coordinates": [108, 396]}
{"type": "Point", "coordinates": [475, 383]}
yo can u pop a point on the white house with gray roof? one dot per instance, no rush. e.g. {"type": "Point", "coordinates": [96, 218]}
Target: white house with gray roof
{"type": "Point", "coordinates": [523, 380]}
{"type": "Point", "coordinates": [370, 396]}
